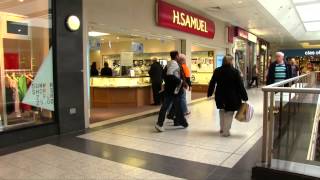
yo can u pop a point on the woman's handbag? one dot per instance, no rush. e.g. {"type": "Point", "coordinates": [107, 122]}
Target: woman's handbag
{"type": "Point", "coordinates": [245, 113]}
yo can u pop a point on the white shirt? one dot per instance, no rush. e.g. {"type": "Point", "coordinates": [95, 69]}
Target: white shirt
{"type": "Point", "coordinates": [173, 68]}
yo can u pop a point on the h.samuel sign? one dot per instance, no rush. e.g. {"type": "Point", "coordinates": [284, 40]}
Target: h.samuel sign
{"type": "Point", "coordinates": [173, 17]}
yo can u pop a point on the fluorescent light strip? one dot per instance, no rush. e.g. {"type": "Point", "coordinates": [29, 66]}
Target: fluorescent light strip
{"type": "Point", "coordinates": [303, 1]}
{"type": "Point", "coordinates": [312, 26]}
{"type": "Point", "coordinates": [309, 12]}
{"type": "Point", "coordinates": [96, 34]}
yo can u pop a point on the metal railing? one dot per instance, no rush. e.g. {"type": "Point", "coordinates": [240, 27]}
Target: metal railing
{"type": "Point", "coordinates": [276, 96]}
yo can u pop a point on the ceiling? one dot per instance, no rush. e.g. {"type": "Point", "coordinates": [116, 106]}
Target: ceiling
{"type": "Point", "coordinates": [273, 20]}
{"type": "Point", "coordinates": [37, 15]}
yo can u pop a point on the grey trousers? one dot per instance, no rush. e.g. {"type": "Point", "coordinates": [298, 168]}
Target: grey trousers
{"type": "Point", "coordinates": [226, 118]}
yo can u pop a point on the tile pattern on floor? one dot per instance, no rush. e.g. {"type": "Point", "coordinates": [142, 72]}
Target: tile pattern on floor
{"type": "Point", "coordinates": [200, 142]}
{"type": "Point", "coordinates": [52, 162]}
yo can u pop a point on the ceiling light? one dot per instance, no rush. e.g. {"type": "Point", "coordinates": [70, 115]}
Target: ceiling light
{"type": "Point", "coordinates": [95, 34]}
{"type": "Point", "coordinates": [312, 26]}
{"type": "Point", "coordinates": [21, 0]}
{"type": "Point", "coordinates": [118, 37]}
{"type": "Point", "coordinates": [309, 12]}
{"type": "Point", "coordinates": [240, 2]}
{"type": "Point", "coordinates": [102, 39]}
{"type": "Point", "coordinates": [302, 1]}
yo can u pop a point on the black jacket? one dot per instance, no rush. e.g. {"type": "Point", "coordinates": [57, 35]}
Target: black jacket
{"type": "Point", "coordinates": [271, 73]}
{"type": "Point", "coordinates": [106, 71]}
{"type": "Point", "coordinates": [229, 89]}
{"type": "Point", "coordinates": [170, 83]}
{"type": "Point", "coordinates": [155, 73]}
{"type": "Point", "coordinates": [94, 72]}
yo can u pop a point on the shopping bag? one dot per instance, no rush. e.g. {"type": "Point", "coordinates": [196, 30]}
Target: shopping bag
{"type": "Point", "coordinates": [245, 113]}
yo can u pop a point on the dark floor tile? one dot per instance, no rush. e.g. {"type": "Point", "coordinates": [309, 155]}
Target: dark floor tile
{"type": "Point", "coordinates": [153, 162]}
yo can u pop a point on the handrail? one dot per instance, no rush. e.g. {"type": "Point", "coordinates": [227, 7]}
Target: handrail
{"type": "Point", "coordinates": [284, 82]}
{"type": "Point", "coordinates": [298, 85]}
{"type": "Point", "coordinates": [314, 134]}
{"type": "Point", "coordinates": [292, 90]}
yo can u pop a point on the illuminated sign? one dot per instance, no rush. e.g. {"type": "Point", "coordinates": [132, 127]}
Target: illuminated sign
{"type": "Point", "coordinates": [312, 52]}
{"type": "Point", "coordinates": [239, 32]}
{"type": "Point", "coordinates": [173, 17]}
{"type": "Point", "coordinates": [252, 38]}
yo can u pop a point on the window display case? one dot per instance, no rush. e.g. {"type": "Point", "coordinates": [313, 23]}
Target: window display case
{"type": "Point", "coordinates": [120, 91]}
{"type": "Point", "coordinates": [119, 82]}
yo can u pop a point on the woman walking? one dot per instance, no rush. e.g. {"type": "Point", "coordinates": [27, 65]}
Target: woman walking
{"type": "Point", "coordinates": [229, 90]}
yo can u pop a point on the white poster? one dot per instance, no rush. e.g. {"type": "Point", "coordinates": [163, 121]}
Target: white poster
{"type": "Point", "coordinates": [41, 92]}
{"type": "Point", "coordinates": [126, 58]}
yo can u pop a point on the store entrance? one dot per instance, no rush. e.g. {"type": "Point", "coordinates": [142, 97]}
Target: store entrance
{"type": "Point", "coordinates": [119, 73]}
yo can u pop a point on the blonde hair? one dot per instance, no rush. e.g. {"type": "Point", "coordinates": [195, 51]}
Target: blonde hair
{"type": "Point", "coordinates": [227, 60]}
{"type": "Point", "coordinates": [182, 58]}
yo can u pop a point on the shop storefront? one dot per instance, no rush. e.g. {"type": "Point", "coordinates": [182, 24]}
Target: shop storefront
{"type": "Point", "coordinates": [308, 60]}
{"type": "Point", "coordinates": [137, 40]}
{"type": "Point", "coordinates": [37, 97]}
{"type": "Point", "coordinates": [244, 48]}
{"type": "Point", "coordinates": [129, 59]}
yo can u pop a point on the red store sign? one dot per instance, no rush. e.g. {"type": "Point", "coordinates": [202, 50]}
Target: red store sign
{"type": "Point", "coordinates": [176, 18]}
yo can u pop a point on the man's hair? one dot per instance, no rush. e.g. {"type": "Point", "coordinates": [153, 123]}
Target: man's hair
{"type": "Point", "coordinates": [227, 60]}
{"type": "Point", "coordinates": [280, 54]}
{"type": "Point", "coordinates": [174, 54]}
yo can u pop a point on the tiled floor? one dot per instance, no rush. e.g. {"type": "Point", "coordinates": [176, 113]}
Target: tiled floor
{"type": "Point", "coordinates": [134, 150]}
{"type": "Point", "coordinates": [52, 162]}
{"type": "Point", "coordinates": [200, 142]}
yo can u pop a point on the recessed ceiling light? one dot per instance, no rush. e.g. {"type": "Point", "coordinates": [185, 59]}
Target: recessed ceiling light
{"type": "Point", "coordinates": [309, 12]}
{"type": "Point", "coordinates": [118, 37]}
{"type": "Point", "coordinates": [21, 0]}
{"type": "Point", "coordinates": [240, 2]}
{"type": "Point", "coordinates": [95, 34]}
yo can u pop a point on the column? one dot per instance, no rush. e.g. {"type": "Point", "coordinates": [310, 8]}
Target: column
{"type": "Point", "coordinates": [186, 49]}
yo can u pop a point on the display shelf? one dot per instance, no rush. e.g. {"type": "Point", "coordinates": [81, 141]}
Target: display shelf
{"type": "Point", "coordinates": [120, 82]}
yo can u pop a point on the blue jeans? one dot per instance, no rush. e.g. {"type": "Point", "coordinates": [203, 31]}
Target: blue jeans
{"type": "Point", "coordinates": [184, 106]}
{"type": "Point", "coordinates": [168, 101]}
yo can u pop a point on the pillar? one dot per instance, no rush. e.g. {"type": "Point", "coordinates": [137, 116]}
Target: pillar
{"type": "Point", "coordinates": [186, 49]}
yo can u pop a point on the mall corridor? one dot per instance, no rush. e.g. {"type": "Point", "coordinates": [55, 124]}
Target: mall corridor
{"type": "Point", "coordinates": [134, 150]}
{"type": "Point", "coordinates": [83, 82]}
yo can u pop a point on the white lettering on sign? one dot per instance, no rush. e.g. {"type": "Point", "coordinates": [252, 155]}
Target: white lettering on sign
{"type": "Point", "coordinates": [189, 21]}
{"type": "Point", "coordinates": [312, 53]}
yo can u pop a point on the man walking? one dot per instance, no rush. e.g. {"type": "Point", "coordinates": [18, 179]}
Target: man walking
{"type": "Point", "coordinates": [279, 70]}
{"type": "Point", "coordinates": [172, 94]}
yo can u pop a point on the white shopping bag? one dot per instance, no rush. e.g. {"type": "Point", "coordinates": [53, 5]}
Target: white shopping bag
{"type": "Point", "coordinates": [245, 113]}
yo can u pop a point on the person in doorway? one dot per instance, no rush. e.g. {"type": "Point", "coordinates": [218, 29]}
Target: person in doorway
{"type": "Point", "coordinates": [229, 90]}
{"type": "Point", "coordinates": [279, 70]}
{"type": "Point", "coordinates": [93, 70]}
{"type": "Point", "coordinates": [155, 74]}
{"type": "Point", "coordinates": [255, 74]}
{"type": "Point", "coordinates": [172, 94]}
{"type": "Point", "coordinates": [294, 68]}
{"type": "Point", "coordinates": [106, 70]}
